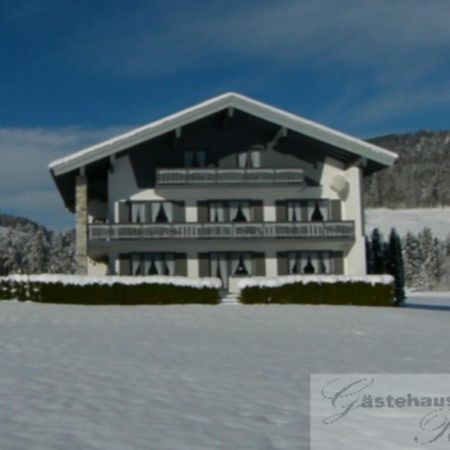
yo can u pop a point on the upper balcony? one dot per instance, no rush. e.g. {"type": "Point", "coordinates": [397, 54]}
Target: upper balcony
{"type": "Point", "coordinates": [203, 176]}
{"type": "Point", "coordinates": [342, 230]}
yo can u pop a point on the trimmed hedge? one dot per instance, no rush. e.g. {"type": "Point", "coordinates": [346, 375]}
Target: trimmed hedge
{"type": "Point", "coordinates": [106, 294]}
{"type": "Point", "coordinates": [338, 293]}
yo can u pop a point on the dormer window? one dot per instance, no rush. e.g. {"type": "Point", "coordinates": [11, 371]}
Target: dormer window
{"type": "Point", "coordinates": [250, 159]}
{"type": "Point", "coordinates": [195, 158]}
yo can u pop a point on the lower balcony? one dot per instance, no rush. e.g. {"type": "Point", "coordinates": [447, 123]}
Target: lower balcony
{"type": "Point", "coordinates": [262, 230]}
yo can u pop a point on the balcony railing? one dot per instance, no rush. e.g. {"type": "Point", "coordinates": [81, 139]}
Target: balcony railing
{"type": "Point", "coordinates": [224, 176]}
{"type": "Point", "coordinates": [269, 230]}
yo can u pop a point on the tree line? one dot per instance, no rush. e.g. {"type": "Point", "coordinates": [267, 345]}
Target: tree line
{"type": "Point", "coordinates": [28, 248]}
{"type": "Point", "coordinates": [420, 260]}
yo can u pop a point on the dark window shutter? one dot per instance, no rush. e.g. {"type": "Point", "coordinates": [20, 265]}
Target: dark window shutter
{"type": "Point", "coordinates": [179, 212]}
{"type": "Point", "coordinates": [259, 264]}
{"type": "Point", "coordinates": [203, 261]}
{"type": "Point", "coordinates": [281, 211]}
{"type": "Point", "coordinates": [202, 208]}
{"type": "Point", "coordinates": [282, 259]}
{"type": "Point", "coordinates": [257, 206]}
{"type": "Point", "coordinates": [181, 264]}
{"type": "Point", "coordinates": [335, 210]}
{"type": "Point", "coordinates": [124, 265]}
{"type": "Point", "coordinates": [124, 212]}
{"type": "Point", "coordinates": [338, 263]}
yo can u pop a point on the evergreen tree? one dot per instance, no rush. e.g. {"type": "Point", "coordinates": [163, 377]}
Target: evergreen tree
{"type": "Point", "coordinates": [378, 252]}
{"type": "Point", "coordinates": [412, 257]}
{"type": "Point", "coordinates": [394, 264]}
{"type": "Point", "coordinates": [369, 256]}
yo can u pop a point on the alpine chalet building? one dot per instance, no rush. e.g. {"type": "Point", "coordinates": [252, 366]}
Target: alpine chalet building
{"type": "Point", "coordinates": [228, 188]}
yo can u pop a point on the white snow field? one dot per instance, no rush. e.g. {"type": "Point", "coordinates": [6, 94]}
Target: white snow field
{"type": "Point", "coordinates": [414, 220]}
{"type": "Point", "coordinates": [194, 377]}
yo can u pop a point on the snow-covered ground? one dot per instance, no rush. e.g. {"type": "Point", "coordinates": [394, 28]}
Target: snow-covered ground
{"type": "Point", "coordinates": [404, 220]}
{"type": "Point", "coordinates": [194, 377]}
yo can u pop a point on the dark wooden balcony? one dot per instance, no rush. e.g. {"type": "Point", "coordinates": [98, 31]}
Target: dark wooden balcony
{"type": "Point", "coordinates": [343, 230]}
{"type": "Point", "coordinates": [184, 176]}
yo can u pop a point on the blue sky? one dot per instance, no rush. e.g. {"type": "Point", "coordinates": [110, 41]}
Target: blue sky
{"type": "Point", "coordinates": [73, 73]}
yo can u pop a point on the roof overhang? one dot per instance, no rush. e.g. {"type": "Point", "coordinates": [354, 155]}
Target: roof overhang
{"type": "Point", "coordinates": [378, 156]}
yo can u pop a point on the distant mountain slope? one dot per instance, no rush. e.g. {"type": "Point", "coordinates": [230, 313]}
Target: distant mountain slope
{"type": "Point", "coordinates": [7, 220]}
{"type": "Point", "coordinates": [421, 177]}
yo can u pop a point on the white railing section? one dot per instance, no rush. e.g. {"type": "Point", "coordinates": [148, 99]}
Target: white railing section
{"type": "Point", "coordinates": [208, 176]}
{"type": "Point", "coordinates": [323, 230]}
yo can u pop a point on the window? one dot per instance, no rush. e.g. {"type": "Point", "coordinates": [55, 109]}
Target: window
{"type": "Point", "coordinates": [249, 159]}
{"type": "Point", "coordinates": [138, 213]}
{"type": "Point", "coordinates": [294, 211]}
{"type": "Point", "coordinates": [240, 211]}
{"type": "Point", "coordinates": [217, 212]}
{"type": "Point", "coordinates": [161, 212]}
{"type": "Point", "coordinates": [149, 264]}
{"type": "Point", "coordinates": [151, 212]}
{"type": "Point", "coordinates": [195, 158]}
{"type": "Point", "coordinates": [317, 210]}
{"type": "Point", "coordinates": [307, 210]}
{"type": "Point", "coordinates": [219, 266]}
{"type": "Point", "coordinates": [241, 264]}
{"type": "Point", "coordinates": [309, 263]}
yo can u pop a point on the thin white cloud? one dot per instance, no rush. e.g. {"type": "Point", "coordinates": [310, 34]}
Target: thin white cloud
{"type": "Point", "coordinates": [369, 34]}
{"type": "Point", "coordinates": [26, 186]}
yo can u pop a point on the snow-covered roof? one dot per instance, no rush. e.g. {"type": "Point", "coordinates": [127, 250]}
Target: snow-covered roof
{"type": "Point", "coordinates": [229, 100]}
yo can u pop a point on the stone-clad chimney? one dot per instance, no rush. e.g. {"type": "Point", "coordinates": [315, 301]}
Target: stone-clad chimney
{"type": "Point", "coordinates": [81, 209]}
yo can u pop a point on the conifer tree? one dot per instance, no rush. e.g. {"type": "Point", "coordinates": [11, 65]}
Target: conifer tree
{"type": "Point", "coordinates": [394, 264]}
{"type": "Point", "coordinates": [378, 252]}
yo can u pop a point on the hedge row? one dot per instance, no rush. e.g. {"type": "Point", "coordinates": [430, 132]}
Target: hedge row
{"type": "Point", "coordinates": [339, 293]}
{"type": "Point", "coordinates": [114, 294]}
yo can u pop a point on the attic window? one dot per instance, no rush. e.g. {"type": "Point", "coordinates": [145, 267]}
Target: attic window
{"type": "Point", "coordinates": [195, 158]}
{"type": "Point", "coordinates": [250, 159]}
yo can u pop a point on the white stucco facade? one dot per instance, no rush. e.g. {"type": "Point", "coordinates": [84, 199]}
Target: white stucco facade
{"type": "Point", "coordinates": [296, 205]}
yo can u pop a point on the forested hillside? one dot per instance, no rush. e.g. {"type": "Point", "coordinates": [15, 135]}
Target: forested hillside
{"type": "Point", "coordinates": [420, 178]}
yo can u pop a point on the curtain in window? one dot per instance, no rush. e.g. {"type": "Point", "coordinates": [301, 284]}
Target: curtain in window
{"type": "Point", "coordinates": [324, 262]}
{"type": "Point", "coordinates": [216, 212]}
{"type": "Point", "coordinates": [136, 265]}
{"type": "Point", "coordinates": [294, 212]}
{"type": "Point", "coordinates": [219, 267]}
{"type": "Point", "coordinates": [150, 267]}
{"type": "Point", "coordinates": [138, 212]}
{"type": "Point", "coordinates": [323, 206]}
{"type": "Point", "coordinates": [240, 211]}
{"type": "Point", "coordinates": [310, 263]}
{"type": "Point", "coordinates": [161, 212]}
{"type": "Point", "coordinates": [241, 264]}
{"type": "Point", "coordinates": [170, 264]}
{"type": "Point", "coordinates": [295, 263]}
{"type": "Point", "coordinates": [255, 158]}
{"type": "Point", "coordinates": [243, 160]}
{"type": "Point", "coordinates": [317, 210]}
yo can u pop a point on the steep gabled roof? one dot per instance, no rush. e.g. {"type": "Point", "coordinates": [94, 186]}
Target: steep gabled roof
{"type": "Point", "coordinates": [285, 119]}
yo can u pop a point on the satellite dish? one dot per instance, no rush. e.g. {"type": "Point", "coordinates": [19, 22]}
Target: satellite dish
{"type": "Point", "coordinates": [340, 185]}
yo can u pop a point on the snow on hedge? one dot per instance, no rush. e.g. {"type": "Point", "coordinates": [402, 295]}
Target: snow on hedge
{"type": "Point", "coordinates": [85, 280]}
{"type": "Point", "coordinates": [266, 282]}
